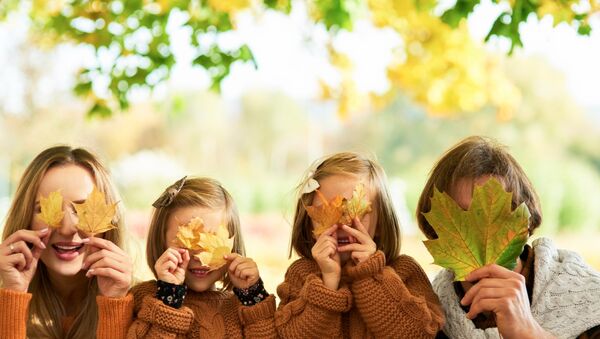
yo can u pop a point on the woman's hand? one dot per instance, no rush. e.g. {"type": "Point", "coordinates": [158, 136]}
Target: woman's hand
{"type": "Point", "coordinates": [243, 271]}
{"type": "Point", "coordinates": [503, 292]}
{"type": "Point", "coordinates": [172, 265]}
{"type": "Point", "coordinates": [18, 262]}
{"type": "Point", "coordinates": [364, 248]}
{"type": "Point", "coordinates": [111, 266]}
{"type": "Point", "coordinates": [325, 253]}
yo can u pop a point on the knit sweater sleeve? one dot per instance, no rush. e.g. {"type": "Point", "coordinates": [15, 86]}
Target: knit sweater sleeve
{"type": "Point", "coordinates": [307, 307]}
{"type": "Point", "coordinates": [395, 300]}
{"type": "Point", "coordinates": [153, 319]}
{"type": "Point", "coordinates": [258, 320]}
{"type": "Point", "coordinates": [114, 316]}
{"type": "Point", "coordinates": [14, 306]}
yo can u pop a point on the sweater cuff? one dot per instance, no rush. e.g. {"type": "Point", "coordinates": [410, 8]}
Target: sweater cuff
{"type": "Point", "coordinates": [368, 268]}
{"type": "Point", "coordinates": [257, 312]}
{"type": "Point", "coordinates": [115, 315]}
{"type": "Point", "coordinates": [316, 293]}
{"type": "Point", "coordinates": [15, 308]}
{"type": "Point", "coordinates": [173, 320]}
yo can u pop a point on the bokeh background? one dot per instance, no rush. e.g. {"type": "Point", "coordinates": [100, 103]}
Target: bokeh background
{"type": "Point", "coordinates": [252, 92]}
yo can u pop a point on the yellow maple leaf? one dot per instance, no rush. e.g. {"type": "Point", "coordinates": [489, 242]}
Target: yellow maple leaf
{"type": "Point", "coordinates": [327, 214]}
{"type": "Point", "coordinates": [215, 244]}
{"type": "Point", "coordinates": [95, 215]}
{"type": "Point", "coordinates": [188, 235]}
{"type": "Point", "coordinates": [52, 209]}
{"type": "Point", "coordinates": [357, 206]}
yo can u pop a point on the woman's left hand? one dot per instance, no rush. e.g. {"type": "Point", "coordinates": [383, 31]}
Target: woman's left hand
{"type": "Point", "coordinates": [111, 266]}
{"type": "Point", "coordinates": [503, 292]}
{"type": "Point", "coordinates": [364, 248]}
{"type": "Point", "coordinates": [243, 271]}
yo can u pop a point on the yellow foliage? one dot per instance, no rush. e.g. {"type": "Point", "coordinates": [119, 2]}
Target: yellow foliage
{"type": "Point", "coordinates": [95, 215]}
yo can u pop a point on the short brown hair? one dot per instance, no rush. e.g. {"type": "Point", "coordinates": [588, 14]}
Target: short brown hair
{"type": "Point", "coordinates": [203, 192]}
{"type": "Point", "coordinates": [387, 236]}
{"type": "Point", "coordinates": [472, 158]}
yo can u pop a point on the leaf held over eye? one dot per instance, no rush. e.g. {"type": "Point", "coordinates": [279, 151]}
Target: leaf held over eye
{"type": "Point", "coordinates": [95, 215]}
{"type": "Point", "coordinates": [327, 214]}
{"type": "Point", "coordinates": [188, 235]}
{"type": "Point", "coordinates": [488, 232]}
{"type": "Point", "coordinates": [52, 209]}
{"type": "Point", "coordinates": [214, 245]}
{"type": "Point", "coordinates": [357, 206]}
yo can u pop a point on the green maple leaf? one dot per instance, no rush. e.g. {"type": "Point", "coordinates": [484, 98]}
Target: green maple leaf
{"type": "Point", "coordinates": [488, 232]}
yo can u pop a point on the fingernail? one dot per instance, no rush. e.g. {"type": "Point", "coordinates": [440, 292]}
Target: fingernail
{"type": "Point", "coordinates": [84, 266]}
{"type": "Point", "coordinates": [42, 245]}
{"type": "Point", "coordinates": [462, 301]}
{"type": "Point", "coordinates": [85, 241]}
{"type": "Point", "coordinates": [44, 230]}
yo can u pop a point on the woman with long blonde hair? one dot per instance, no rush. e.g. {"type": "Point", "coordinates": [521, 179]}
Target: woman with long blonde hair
{"type": "Point", "coordinates": [59, 282]}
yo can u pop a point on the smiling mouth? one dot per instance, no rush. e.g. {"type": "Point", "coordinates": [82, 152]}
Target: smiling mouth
{"type": "Point", "coordinates": [199, 272]}
{"type": "Point", "coordinates": [67, 248]}
{"type": "Point", "coordinates": [344, 241]}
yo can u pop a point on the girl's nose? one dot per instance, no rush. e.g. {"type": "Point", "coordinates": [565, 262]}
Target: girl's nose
{"type": "Point", "coordinates": [69, 222]}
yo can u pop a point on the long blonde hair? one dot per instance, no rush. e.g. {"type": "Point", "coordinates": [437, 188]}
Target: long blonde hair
{"type": "Point", "coordinates": [46, 310]}
{"type": "Point", "coordinates": [202, 192]}
{"type": "Point", "coordinates": [387, 231]}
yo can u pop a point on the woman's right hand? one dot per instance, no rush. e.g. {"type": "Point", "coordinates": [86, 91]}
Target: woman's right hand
{"type": "Point", "coordinates": [172, 265]}
{"type": "Point", "coordinates": [18, 262]}
{"type": "Point", "coordinates": [327, 257]}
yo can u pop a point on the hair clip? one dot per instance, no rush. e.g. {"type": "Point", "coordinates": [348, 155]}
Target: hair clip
{"type": "Point", "coordinates": [166, 198]}
{"type": "Point", "coordinates": [311, 184]}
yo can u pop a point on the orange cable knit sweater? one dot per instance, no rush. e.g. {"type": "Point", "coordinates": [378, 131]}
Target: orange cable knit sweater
{"type": "Point", "coordinates": [374, 300]}
{"type": "Point", "coordinates": [210, 314]}
{"type": "Point", "coordinates": [115, 315]}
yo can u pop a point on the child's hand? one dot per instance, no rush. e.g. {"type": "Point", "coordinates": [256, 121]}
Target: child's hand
{"type": "Point", "coordinates": [243, 271]}
{"type": "Point", "coordinates": [111, 265]}
{"type": "Point", "coordinates": [172, 265]}
{"type": "Point", "coordinates": [326, 255]}
{"type": "Point", "coordinates": [365, 247]}
{"type": "Point", "coordinates": [18, 262]}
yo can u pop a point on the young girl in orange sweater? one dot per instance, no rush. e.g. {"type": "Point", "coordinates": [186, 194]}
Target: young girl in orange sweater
{"type": "Point", "coordinates": [185, 302]}
{"type": "Point", "coordinates": [351, 281]}
{"type": "Point", "coordinates": [60, 283]}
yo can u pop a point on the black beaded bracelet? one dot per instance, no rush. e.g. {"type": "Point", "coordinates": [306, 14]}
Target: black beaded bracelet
{"type": "Point", "coordinates": [170, 294]}
{"type": "Point", "coordinates": [251, 295]}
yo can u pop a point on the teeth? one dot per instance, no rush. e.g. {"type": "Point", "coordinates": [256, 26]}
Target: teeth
{"type": "Point", "coordinates": [67, 248]}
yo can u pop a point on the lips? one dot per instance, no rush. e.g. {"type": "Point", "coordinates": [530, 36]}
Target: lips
{"type": "Point", "coordinates": [67, 250]}
{"type": "Point", "coordinates": [199, 272]}
{"type": "Point", "coordinates": [345, 240]}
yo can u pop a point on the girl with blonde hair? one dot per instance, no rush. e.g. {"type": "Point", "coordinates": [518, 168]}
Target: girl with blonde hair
{"type": "Point", "coordinates": [60, 283]}
{"type": "Point", "coordinates": [191, 299]}
{"type": "Point", "coordinates": [351, 281]}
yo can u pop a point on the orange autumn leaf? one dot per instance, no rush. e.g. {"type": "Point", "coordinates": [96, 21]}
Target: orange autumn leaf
{"type": "Point", "coordinates": [214, 244]}
{"type": "Point", "coordinates": [357, 206]}
{"type": "Point", "coordinates": [95, 215]}
{"type": "Point", "coordinates": [327, 214]}
{"type": "Point", "coordinates": [188, 235]}
{"type": "Point", "coordinates": [52, 209]}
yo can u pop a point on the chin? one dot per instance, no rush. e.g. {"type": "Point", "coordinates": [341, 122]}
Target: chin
{"type": "Point", "coordinates": [63, 268]}
{"type": "Point", "coordinates": [201, 282]}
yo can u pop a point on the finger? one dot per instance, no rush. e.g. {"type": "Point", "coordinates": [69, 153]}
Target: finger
{"type": "Point", "coordinates": [248, 273]}
{"type": "Point", "coordinates": [244, 265]}
{"type": "Point", "coordinates": [17, 260]}
{"type": "Point", "coordinates": [176, 253]}
{"type": "Point", "coordinates": [105, 244]}
{"type": "Point", "coordinates": [21, 247]}
{"type": "Point", "coordinates": [483, 305]}
{"type": "Point", "coordinates": [231, 256]}
{"type": "Point", "coordinates": [330, 231]}
{"type": "Point", "coordinates": [484, 283]}
{"type": "Point", "coordinates": [103, 253]}
{"type": "Point", "coordinates": [107, 262]}
{"type": "Point", "coordinates": [32, 237]}
{"type": "Point", "coordinates": [491, 271]}
{"type": "Point", "coordinates": [359, 225]}
{"type": "Point", "coordinates": [236, 262]}
{"type": "Point", "coordinates": [186, 259]}
{"type": "Point", "coordinates": [352, 248]}
{"type": "Point", "coordinates": [360, 236]}
{"type": "Point", "coordinates": [107, 272]}
{"type": "Point", "coordinates": [492, 293]}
